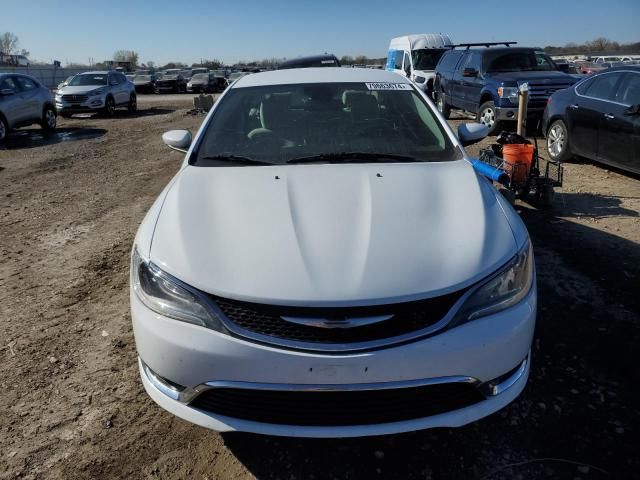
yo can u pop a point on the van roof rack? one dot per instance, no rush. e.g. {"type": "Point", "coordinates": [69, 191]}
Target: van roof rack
{"type": "Point", "coordinates": [484, 44]}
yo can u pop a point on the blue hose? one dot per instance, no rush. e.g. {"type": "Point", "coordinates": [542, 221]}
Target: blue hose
{"type": "Point", "coordinates": [492, 173]}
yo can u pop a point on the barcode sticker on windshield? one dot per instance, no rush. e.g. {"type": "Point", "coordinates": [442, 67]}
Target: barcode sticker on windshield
{"type": "Point", "coordinates": [388, 86]}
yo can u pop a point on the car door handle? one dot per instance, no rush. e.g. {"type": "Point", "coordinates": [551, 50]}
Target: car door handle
{"type": "Point", "coordinates": [609, 116]}
{"type": "Point", "coordinates": [574, 106]}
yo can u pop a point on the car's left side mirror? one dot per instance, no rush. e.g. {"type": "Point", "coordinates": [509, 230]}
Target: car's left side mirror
{"type": "Point", "coordinates": [7, 91]}
{"type": "Point", "coordinates": [179, 140]}
{"type": "Point", "coordinates": [470, 133]}
{"type": "Point", "coordinates": [633, 110]}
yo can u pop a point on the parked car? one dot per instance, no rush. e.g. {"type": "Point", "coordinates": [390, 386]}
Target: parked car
{"type": "Point", "coordinates": [325, 60]}
{"type": "Point", "coordinates": [145, 82]}
{"type": "Point", "coordinates": [171, 81]}
{"type": "Point", "coordinates": [416, 57]}
{"type": "Point", "coordinates": [206, 83]}
{"type": "Point", "coordinates": [611, 58]}
{"type": "Point", "coordinates": [485, 81]}
{"type": "Point", "coordinates": [195, 71]}
{"type": "Point", "coordinates": [24, 101]}
{"type": "Point", "coordinates": [297, 276]}
{"type": "Point", "coordinates": [598, 118]}
{"type": "Point", "coordinates": [235, 76]}
{"type": "Point", "coordinates": [100, 91]}
{"type": "Point", "coordinates": [587, 68]}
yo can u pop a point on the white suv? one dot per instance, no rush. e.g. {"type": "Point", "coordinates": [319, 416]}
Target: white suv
{"type": "Point", "coordinates": [96, 92]}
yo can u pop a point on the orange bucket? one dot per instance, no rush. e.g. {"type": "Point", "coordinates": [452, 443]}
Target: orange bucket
{"type": "Point", "coordinates": [520, 158]}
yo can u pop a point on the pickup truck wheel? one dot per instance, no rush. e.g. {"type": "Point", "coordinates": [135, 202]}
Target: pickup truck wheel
{"type": "Point", "coordinates": [443, 108]}
{"type": "Point", "coordinates": [48, 119]}
{"type": "Point", "coordinates": [133, 103]}
{"type": "Point", "coordinates": [4, 129]}
{"type": "Point", "coordinates": [487, 116]}
{"type": "Point", "coordinates": [558, 141]}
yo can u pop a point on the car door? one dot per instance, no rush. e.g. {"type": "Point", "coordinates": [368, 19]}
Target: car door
{"type": "Point", "coordinates": [470, 86]}
{"type": "Point", "coordinates": [585, 113]}
{"type": "Point", "coordinates": [30, 97]}
{"type": "Point", "coordinates": [619, 134]}
{"type": "Point", "coordinates": [115, 86]}
{"type": "Point", "coordinates": [11, 103]}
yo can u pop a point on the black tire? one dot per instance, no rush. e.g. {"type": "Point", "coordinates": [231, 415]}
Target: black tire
{"type": "Point", "coordinates": [109, 107]}
{"type": "Point", "coordinates": [443, 107]}
{"type": "Point", "coordinates": [487, 116]}
{"type": "Point", "coordinates": [4, 130]}
{"type": "Point", "coordinates": [49, 118]}
{"type": "Point", "coordinates": [133, 103]}
{"type": "Point", "coordinates": [558, 141]}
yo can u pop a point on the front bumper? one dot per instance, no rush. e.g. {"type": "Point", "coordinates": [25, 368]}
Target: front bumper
{"type": "Point", "coordinates": [511, 113]}
{"type": "Point", "coordinates": [91, 105]}
{"type": "Point", "coordinates": [198, 358]}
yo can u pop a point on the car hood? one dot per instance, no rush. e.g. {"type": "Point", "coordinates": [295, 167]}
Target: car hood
{"type": "Point", "coordinates": [80, 89]}
{"type": "Point", "coordinates": [331, 234]}
{"type": "Point", "coordinates": [142, 82]}
{"type": "Point", "coordinates": [550, 76]}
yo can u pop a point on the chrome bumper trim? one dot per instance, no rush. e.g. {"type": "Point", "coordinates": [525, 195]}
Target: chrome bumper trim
{"type": "Point", "coordinates": [492, 389]}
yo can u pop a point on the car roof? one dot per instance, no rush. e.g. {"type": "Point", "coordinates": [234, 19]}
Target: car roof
{"type": "Point", "coordinates": [319, 75]}
{"type": "Point", "coordinates": [96, 72]}
{"type": "Point", "coordinates": [310, 58]}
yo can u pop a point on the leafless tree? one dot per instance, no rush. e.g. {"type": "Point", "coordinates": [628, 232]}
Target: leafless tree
{"type": "Point", "coordinates": [8, 43]}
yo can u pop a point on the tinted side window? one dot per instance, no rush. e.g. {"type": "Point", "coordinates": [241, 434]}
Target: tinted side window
{"type": "Point", "coordinates": [407, 61]}
{"type": "Point", "coordinates": [603, 87]}
{"type": "Point", "coordinates": [474, 60]}
{"type": "Point", "coordinates": [448, 61]}
{"type": "Point", "coordinates": [398, 60]}
{"type": "Point", "coordinates": [582, 88]}
{"type": "Point", "coordinates": [122, 78]}
{"type": "Point", "coordinates": [113, 79]}
{"type": "Point", "coordinates": [8, 83]}
{"type": "Point", "coordinates": [629, 89]}
{"type": "Point", "coordinates": [26, 84]}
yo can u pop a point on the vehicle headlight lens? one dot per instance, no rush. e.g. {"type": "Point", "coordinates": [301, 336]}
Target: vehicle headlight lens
{"type": "Point", "coordinates": [168, 296]}
{"type": "Point", "coordinates": [508, 92]}
{"type": "Point", "coordinates": [419, 79]}
{"type": "Point", "coordinates": [501, 291]}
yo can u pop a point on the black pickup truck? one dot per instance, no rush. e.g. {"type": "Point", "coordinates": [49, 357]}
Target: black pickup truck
{"type": "Point", "coordinates": [485, 81]}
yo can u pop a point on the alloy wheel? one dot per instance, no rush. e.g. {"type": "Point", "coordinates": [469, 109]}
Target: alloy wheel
{"type": "Point", "coordinates": [556, 140]}
{"type": "Point", "coordinates": [3, 130]}
{"type": "Point", "coordinates": [488, 117]}
{"type": "Point", "coordinates": [50, 118]}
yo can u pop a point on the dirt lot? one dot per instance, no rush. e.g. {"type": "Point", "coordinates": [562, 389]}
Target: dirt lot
{"type": "Point", "coordinates": [73, 406]}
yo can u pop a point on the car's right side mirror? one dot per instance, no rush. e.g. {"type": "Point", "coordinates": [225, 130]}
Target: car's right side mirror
{"type": "Point", "coordinates": [470, 133]}
{"type": "Point", "coordinates": [469, 72]}
{"type": "Point", "coordinates": [179, 140]}
{"type": "Point", "coordinates": [633, 110]}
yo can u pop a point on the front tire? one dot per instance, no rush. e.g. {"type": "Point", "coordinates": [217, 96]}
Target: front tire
{"type": "Point", "coordinates": [558, 141]}
{"type": "Point", "coordinates": [443, 107]}
{"type": "Point", "coordinates": [487, 116]}
{"type": "Point", "coordinates": [4, 130]}
{"type": "Point", "coordinates": [49, 119]}
{"type": "Point", "coordinates": [109, 107]}
{"type": "Point", "coordinates": [133, 103]}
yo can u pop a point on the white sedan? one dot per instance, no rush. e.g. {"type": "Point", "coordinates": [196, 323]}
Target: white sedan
{"type": "Point", "coordinates": [327, 263]}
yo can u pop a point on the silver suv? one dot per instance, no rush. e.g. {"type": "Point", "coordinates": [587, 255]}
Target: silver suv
{"type": "Point", "coordinates": [96, 92]}
{"type": "Point", "coordinates": [24, 101]}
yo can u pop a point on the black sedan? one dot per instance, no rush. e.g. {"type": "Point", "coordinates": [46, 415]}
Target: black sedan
{"type": "Point", "coordinates": [598, 118]}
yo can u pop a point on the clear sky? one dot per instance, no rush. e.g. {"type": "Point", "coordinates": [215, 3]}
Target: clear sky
{"type": "Point", "coordinates": [186, 30]}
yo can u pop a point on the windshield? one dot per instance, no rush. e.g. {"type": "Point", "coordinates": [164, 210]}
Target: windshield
{"type": "Point", "coordinates": [89, 79]}
{"type": "Point", "coordinates": [426, 58]}
{"type": "Point", "coordinates": [200, 76]}
{"type": "Point", "coordinates": [521, 62]}
{"type": "Point", "coordinates": [277, 124]}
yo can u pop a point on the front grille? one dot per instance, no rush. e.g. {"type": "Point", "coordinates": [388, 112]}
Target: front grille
{"type": "Point", "coordinates": [338, 408]}
{"type": "Point", "coordinates": [539, 93]}
{"type": "Point", "coordinates": [75, 98]}
{"type": "Point", "coordinates": [406, 318]}
{"type": "Point", "coordinates": [166, 83]}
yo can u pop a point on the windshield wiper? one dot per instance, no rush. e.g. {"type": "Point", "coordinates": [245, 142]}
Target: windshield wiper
{"type": "Point", "coordinates": [236, 159]}
{"type": "Point", "coordinates": [353, 157]}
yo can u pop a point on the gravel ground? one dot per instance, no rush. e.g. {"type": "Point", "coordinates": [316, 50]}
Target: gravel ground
{"type": "Point", "coordinates": [72, 403]}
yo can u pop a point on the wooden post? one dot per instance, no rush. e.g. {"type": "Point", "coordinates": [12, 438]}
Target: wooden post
{"type": "Point", "coordinates": [523, 100]}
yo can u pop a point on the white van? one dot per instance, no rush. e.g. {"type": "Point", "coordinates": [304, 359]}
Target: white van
{"type": "Point", "coordinates": [416, 57]}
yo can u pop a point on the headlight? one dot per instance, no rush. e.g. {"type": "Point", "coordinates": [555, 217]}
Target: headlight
{"type": "Point", "coordinates": [419, 79]}
{"type": "Point", "coordinates": [508, 92]}
{"type": "Point", "coordinates": [168, 296]}
{"type": "Point", "coordinates": [503, 290]}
